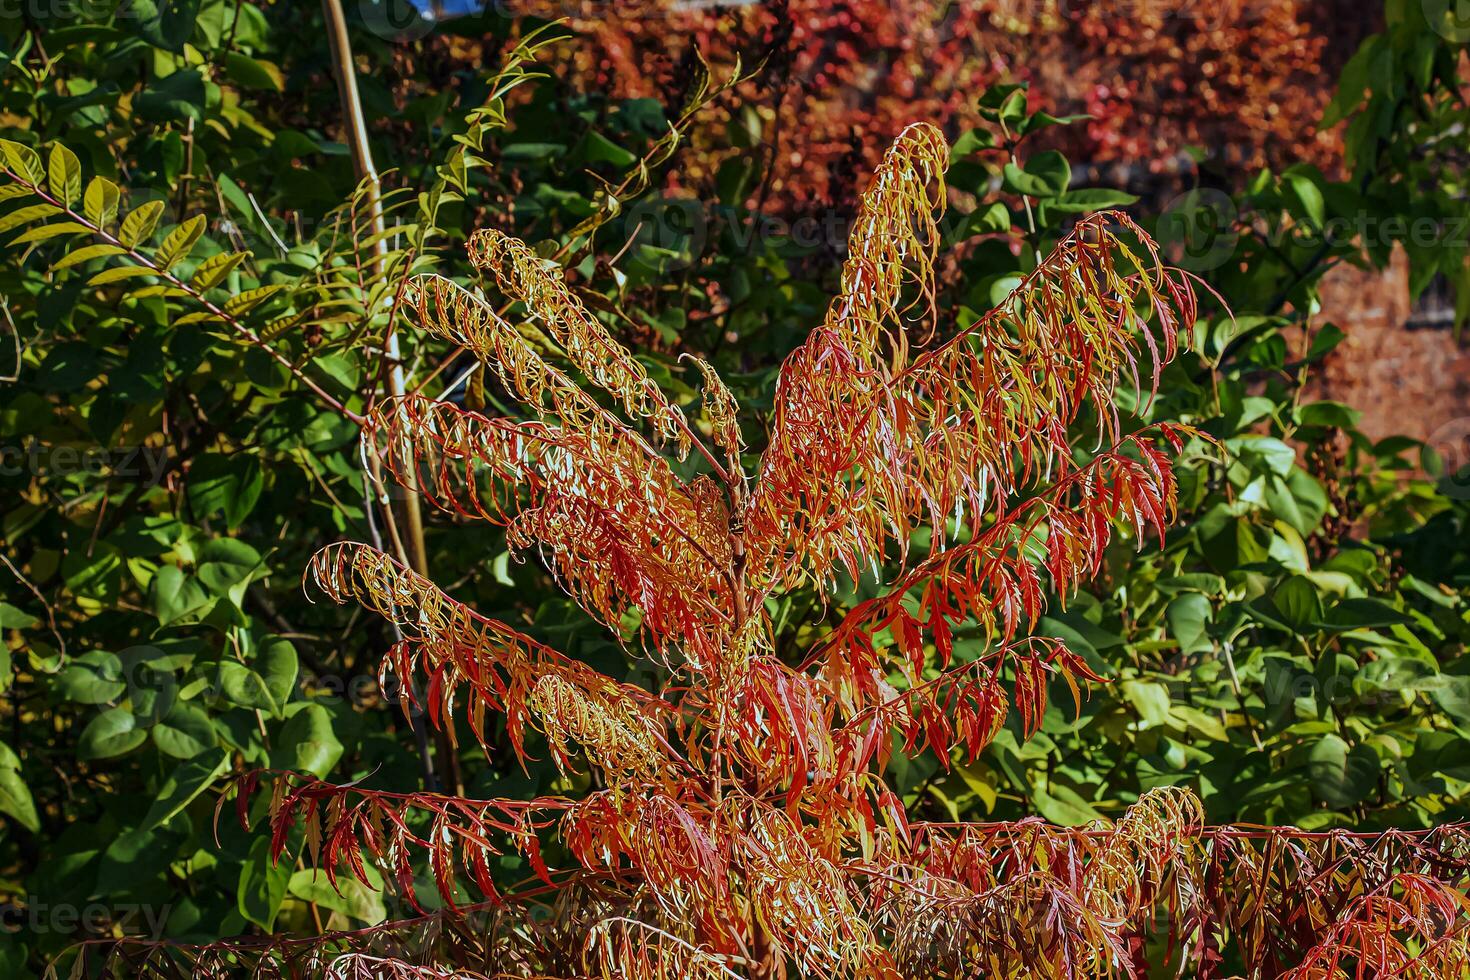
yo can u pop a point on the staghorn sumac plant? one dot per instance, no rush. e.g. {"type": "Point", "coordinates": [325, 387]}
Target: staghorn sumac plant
{"type": "Point", "coordinates": [737, 822]}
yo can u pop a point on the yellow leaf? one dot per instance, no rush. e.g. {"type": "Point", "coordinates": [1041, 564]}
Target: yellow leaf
{"type": "Point", "coordinates": [42, 232]}
{"type": "Point", "coordinates": [27, 215]}
{"type": "Point", "coordinates": [250, 299]}
{"type": "Point", "coordinates": [119, 273]}
{"type": "Point", "coordinates": [23, 161]}
{"type": "Point", "coordinates": [65, 174]}
{"type": "Point", "coordinates": [100, 202]}
{"type": "Point", "coordinates": [148, 292]}
{"type": "Point", "coordinates": [140, 224]}
{"type": "Point", "coordinates": [188, 318]}
{"type": "Point", "coordinates": [178, 242]}
{"type": "Point", "coordinates": [212, 271]}
{"type": "Point", "coordinates": [973, 776]}
{"type": "Point", "coordinates": [86, 255]}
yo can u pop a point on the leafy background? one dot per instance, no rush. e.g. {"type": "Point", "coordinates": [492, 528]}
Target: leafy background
{"type": "Point", "coordinates": [1294, 654]}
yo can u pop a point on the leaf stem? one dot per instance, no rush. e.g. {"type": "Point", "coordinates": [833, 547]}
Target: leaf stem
{"type": "Point", "coordinates": [215, 310]}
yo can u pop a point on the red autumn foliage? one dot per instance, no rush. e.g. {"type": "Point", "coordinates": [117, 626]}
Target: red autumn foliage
{"type": "Point", "coordinates": [737, 820]}
{"type": "Point", "coordinates": [740, 824]}
{"type": "Point", "coordinates": [1244, 81]}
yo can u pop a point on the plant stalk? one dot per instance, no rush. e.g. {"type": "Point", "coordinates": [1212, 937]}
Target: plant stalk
{"type": "Point", "coordinates": [367, 173]}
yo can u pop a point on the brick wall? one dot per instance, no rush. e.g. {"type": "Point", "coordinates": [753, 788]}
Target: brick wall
{"type": "Point", "coordinates": [1405, 382]}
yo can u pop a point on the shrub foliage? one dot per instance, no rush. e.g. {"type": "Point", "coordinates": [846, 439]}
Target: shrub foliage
{"type": "Point", "coordinates": [737, 823]}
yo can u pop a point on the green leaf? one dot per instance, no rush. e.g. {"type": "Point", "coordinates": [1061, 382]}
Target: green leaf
{"type": "Point", "coordinates": [1089, 199]}
{"type": "Point", "coordinates": [601, 149]}
{"type": "Point", "coordinates": [185, 785]}
{"type": "Point", "coordinates": [185, 732]}
{"type": "Point", "coordinates": [350, 897]}
{"type": "Point", "coordinates": [243, 686]}
{"type": "Point", "coordinates": [159, 289]}
{"type": "Point", "coordinates": [165, 24]}
{"type": "Point", "coordinates": [1297, 601]}
{"type": "Point", "coordinates": [1046, 175]}
{"type": "Point", "coordinates": [15, 796]}
{"type": "Point", "coordinates": [12, 618]}
{"type": "Point", "coordinates": [994, 220]}
{"type": "Point", "coordinates": [16, 801]}
{"type": "Point", "coordinates": [65, 172]}
{"type": "Point", "coordinates": [227, 566]}
{"type": "Point", "coordinates": [1197, 723]}
{"type": "Point", "coordinates": [113, 733]}
{"type": "Point", "coordinates": [1342, 776]}
{"type": "Point", "coordinates": [971, 141]}
{"type": "Point", "coordinates": [1013, 108]}
{"type": "Point", "coordinates": [345, 371]}
{"type": "Point", "coordinates": [177, 244]}
{"type": "Point", "coordinates": [262, 885]}
{"type": "Point", "coordinates": [1364, 613]}
{"type": "Point", "coordinates": [531, 151]}
{"type": "Point", "coordinates": [181, 95]}
{"type": "Point", "coordinates": [127, 858]}
{"type": "Point", "coordinates": [1063, 806]}
{"type": "Point", "coordinates": [279, 666]}
{"type": "Point", "coordinates": [1352, 82]}
{"type": "Point", "coordinates": [973, 776]}
{"type": "Point", "coordinates": [1150, 700]}
{"type": "Point", "coordinates": [307, 742]}
{"type": "Point", "coordinates": [1189, 617]}
{"type": "Point", "coordinates": [96, 677]}
{"type": "Point", "coordinates": [1329, 415]}
{"type": "Point", "coordinates": [229, 551]}
{"type": "Point", "coordinates": [1325, 342]}
{"type": "Point", "coordinates": [178, 597]}
{"type": "Point", "coordinates": [1309, 197]}
{"type": "Point", "coordinates": [225, 484]}
{"type": "Point", "coordinates": [139, 224]}
{"type": "Point", "coordinates": [1453, 697]}
{"type": "Point", "coordinates": [1272, 454]}
{"type": "Point", "coordinates": [1042, 120]}
{"type": "Point", "coordinates": [67, 367]}
{"type": "Point", "coordinates": [253, 74]}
